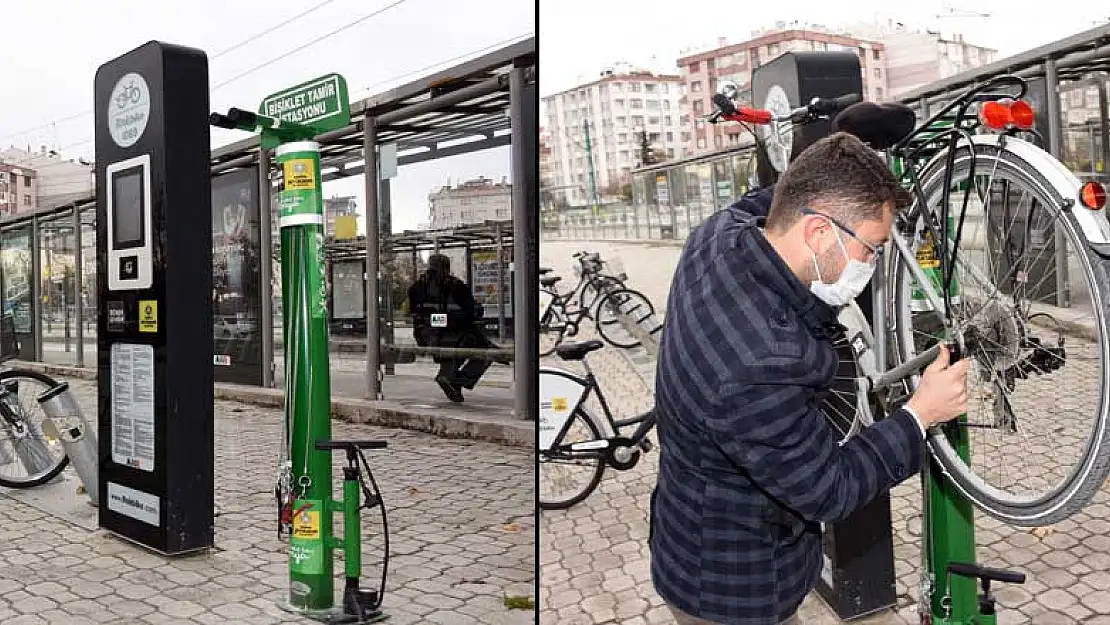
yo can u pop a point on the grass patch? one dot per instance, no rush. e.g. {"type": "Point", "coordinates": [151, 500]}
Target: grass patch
{"type": "Point", "coordinates": [519, 603]}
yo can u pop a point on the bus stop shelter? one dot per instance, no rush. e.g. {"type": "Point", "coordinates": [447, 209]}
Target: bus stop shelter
{"type": "Point", "coordinates": [490, 235]}
{"type": "Point", "coordinates": [488, 102]}
{"type": "Point", "coordinates": [484, 103]}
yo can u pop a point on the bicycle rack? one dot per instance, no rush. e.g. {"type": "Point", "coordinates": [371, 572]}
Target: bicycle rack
{"type": "Point", "coordinates": [65, 418]}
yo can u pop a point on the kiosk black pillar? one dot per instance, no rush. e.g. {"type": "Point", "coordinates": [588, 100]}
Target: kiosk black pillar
{"type": "Point", "coordinates": [154, 323]}
{"type": "Point", "coordinates": [858, 573]}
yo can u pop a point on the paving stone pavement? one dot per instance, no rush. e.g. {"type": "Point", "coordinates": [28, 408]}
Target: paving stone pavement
{"type": "Point", "coordinates": [461, 515]}
{"type": "Point", "coordinates": [595, 567]}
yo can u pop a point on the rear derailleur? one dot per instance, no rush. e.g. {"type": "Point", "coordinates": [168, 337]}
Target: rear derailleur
{"type": "Point", "coordinates": [1039, 359]}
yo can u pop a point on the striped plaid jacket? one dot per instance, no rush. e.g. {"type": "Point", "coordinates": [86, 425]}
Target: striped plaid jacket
{"type": "Point", "coordinates": [748, 468]}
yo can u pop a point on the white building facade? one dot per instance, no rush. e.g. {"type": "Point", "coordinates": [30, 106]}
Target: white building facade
{"type": "Point", "coordinates": [58, 180]}
{"type": "Point", "coordinates": [616, 109]}
{"type": "Point", "coordinates": [471, 202]}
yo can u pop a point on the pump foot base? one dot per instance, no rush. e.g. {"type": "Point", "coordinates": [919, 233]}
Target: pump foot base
{"type": "Point", "coordinates": [333, 616]}
{"type": "Point", "coordinates": [359, 606]}
{"type": "Point", "coordinates": [376, 617]}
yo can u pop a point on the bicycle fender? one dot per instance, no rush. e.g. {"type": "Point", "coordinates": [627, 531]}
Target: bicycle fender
{"type": "Point", "coordinates": [1094, 224]}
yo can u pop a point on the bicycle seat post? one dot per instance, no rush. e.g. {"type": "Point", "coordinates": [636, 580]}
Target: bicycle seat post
{"type": "Point", "coordinates": [586, 364]}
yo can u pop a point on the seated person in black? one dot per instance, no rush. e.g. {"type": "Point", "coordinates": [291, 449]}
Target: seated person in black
{"type": "Point", "coordinates": [444, 314]}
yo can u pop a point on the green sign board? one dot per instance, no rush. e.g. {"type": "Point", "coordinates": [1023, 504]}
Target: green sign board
{"type": "Point", "coordinates": [320, 103]}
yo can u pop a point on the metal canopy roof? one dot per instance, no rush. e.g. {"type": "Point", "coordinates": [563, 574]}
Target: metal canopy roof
{"type": "Point", "coordinates": [482, 235]}
{"type": "Point", "coordinates": [1082, 53]}
{"type": "Point", "coordinates": [458, 110]}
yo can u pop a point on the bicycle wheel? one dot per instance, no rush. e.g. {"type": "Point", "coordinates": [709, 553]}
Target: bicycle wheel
{"type": "Point", "coordinates": [846, 406]}
{"type": "Point", "coordinates": [1037, 418]}
{"type": "Point", "coordinates": [633, 306]}
{"type": "Point", "coordinates": [552, 327]}
{"type": "Point", "coordinates": [552, 463]}
{"type": "Point", "coordinates": [596, 288]}
{"type": "Point", "coordinates": [28, 456]}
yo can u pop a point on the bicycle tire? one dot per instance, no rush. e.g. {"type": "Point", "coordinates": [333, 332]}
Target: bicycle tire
{"type": "Point", "coordinates": [553, 323]}
{"type": "Point", "coordinates": [628, 302]}
{"type": "Point", "coordinates": [1046, 175]}
{"type": "Point", "coordinates": [599, 471]}
{"type": "Point", "coordinates": [58, 466]}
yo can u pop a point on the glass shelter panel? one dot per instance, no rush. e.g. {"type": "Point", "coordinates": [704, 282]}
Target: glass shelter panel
{"type": "Point", "coordinates": [58, 296]}
{"type": "Point", "coordinates": [16, 275]}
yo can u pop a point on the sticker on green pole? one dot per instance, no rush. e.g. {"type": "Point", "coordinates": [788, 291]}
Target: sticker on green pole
{"type": "Point", "coordinates": [320, 103]}
{"type": "Point", "coordinates": [306, 545]}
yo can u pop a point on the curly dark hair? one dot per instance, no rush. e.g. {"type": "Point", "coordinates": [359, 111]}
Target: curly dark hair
{"type": "Point", "coordinates": [844, 176]}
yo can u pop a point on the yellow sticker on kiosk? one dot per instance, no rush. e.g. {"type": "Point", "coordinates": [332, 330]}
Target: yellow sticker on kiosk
{"type": "Point", "coordinates": [559, 404]}
{"type": "Point", "coordinates": [148, 315]}
{"type": "Point", "coordinates": [299, 174]}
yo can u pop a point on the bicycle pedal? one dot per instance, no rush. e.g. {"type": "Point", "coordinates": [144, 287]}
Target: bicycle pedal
{"type": "Point", "coordinates": [647, 445]}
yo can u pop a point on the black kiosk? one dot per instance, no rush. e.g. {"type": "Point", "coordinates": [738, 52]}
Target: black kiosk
{"type": "Point", "coordinates": [154, 322]}
{"type": "Point", "coordinates": [858, 573]}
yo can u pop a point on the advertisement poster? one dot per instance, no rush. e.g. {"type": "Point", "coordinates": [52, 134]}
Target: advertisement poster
{"type": "Point", "coordinates": [348, 297]}
{"type": "Point", "coordinates": [662, 192]}
{"type": "Point", "coordinates": [15, 280]}
{"type": "Point", "coordinates": [236, 278]}
{"type": "Point", "coordinates": [483, 275]}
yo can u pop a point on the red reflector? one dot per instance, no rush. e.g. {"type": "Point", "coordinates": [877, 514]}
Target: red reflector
{"type": "Point", "coordinates": [1093, 195]}
{"type": "Point", "coordinates": [994, 115]}
{"type": "Point", "coordinates": [1021, 114]}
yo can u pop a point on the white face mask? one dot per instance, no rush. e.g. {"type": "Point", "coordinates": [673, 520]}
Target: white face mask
{"type": "Point", "coordinates": [853, 280]}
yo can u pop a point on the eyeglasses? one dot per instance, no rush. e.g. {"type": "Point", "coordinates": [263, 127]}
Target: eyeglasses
{"type": "Point", "coordinates": [875, 250]}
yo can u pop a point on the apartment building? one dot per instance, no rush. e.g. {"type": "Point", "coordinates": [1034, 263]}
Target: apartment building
{"type": "Point", "coordinates": [57, 180]}
{"type": "Point", "coordinates": [616, 108]}
{"type": "Point", "coordinates": [547, 159]}
{"type": "Point", "coordinates": [335, 207]}
{"type": "Point", "coordinates": [703, 71]}
{"type": "Point", "coordinates": [917, 57]}
{"type": "Point", "coordinates": [470, 202]}
{"type": "Point", "coordinates": [18, 189]}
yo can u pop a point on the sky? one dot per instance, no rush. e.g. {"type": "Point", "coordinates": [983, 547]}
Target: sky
{"type": "Point", "coordinates": [52, 49]}
{"type": "Point", "coordinates": [579, 37]}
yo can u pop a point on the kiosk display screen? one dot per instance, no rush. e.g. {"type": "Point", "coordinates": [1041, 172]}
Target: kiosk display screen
{"type": "Point", "coordinates": [127, 208]}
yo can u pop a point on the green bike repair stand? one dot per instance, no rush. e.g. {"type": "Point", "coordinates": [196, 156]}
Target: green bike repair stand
{"type": "Point", "coordinates": [948, 518]}
{"type": "Point", "coordinates": [950, 525]}
{"type": "Point", "coordinates": [317, 106]}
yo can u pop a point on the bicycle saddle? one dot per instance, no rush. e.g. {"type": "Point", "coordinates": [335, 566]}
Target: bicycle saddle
{"type": "Point", "coordinates": [578, 351]}
{"type": "Point", "coordinates": [544, 270]}
{"type": "Point", "coordinates": [549, 280]}
{"type": "Point", "coordinates": [878, 125]}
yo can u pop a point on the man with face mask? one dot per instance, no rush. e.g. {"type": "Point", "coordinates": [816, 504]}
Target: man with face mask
{"type": "Point", "coordinates": [749, 467]}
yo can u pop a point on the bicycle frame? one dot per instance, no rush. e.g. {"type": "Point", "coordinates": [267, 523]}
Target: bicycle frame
{"type": "Point", "coordinates": [589, 381]}
{"type": "Point", "coordinates": [574, 316]}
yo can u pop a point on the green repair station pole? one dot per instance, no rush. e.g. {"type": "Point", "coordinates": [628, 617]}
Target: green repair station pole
{"type": "Point", "coordinates": [948, 519]}
{"type": "Point", "coordinates": [308, 383]}
{"type": "Point", "coordinates": [288, 121]}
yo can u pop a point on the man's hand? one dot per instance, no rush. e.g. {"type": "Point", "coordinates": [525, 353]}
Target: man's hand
{"type": "Point", "coordinates": [942, 394]}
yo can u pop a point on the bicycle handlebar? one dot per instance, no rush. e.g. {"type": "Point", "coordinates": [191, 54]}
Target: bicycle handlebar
{"type": "Point", "coordinates": [828, 106]}
{"type": "Point", "coordinates": [817, 107]}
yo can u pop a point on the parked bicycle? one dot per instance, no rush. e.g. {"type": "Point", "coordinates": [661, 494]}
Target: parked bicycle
{"type": "Point", "coordinates": [576, 445]}
{"type": "Point", "coordinates": [31, 452]}
{"type": "Point", "coordinates": [600, 296]}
